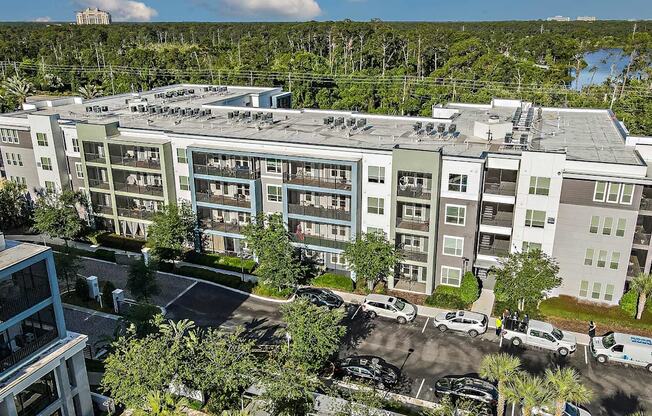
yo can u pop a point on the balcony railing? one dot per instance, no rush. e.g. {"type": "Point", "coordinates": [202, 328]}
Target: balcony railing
{"type": "Point", "coordinates": [225, 227]}
{"type": "Point", "coordinates": [226, 172]}
{"type": "Point", "coordinates": [318, 241]}
{"type": "Point", "coordinates": [136, 162]}
{"type": "Point", "coordinates": [36, 343]}
{"type": "Point", "coordinates": [94, 157]}
{"type": "Point", "coordinates": [320, 212]}
{"type": "Point", "coordinates": [500, 219]}
{"type": "Point", "coordinates": [11, 304]}
{"type": "Point", "coordinates": [414, 255]}
{"type": "Point", "coordinates": [138, 189]}
{"type": "Point", "coordinates": [500, 188]}
{"type": "Point", "coordinates": [238, 200]}
{"type": "Point", "coordinates": [412, 224]}
{"type": "Point", "coordinates": [317, 181]}
{"type": "Point", "coordinates": [634, 267]}
{"type": "Point", "coordinates": [497, 249]}
{"type": "Point", "coordinates": [408, 284]}
{"type": "Point", "coordinates": [140, 214]}
{"type": "Point", "coordinates": [102, 209]}
{"type": "Point", "coordinates": [646, 204]}
{"type": "Point", "coordinates": [98, 184]}
{"type": "Point", "coordinates": [642, 238]}
{"type": "Point", "coordinates": [414, 192]}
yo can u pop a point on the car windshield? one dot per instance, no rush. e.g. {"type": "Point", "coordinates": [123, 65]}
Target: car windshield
{"type": "Point", "coordinates": [557, 334]}
{"type": "Point", "coordinates": [571, 410]}
{"type": "Point", "coordinates": [400, 304]}
{"type": "Point", "coordinates": [450, 315]}
{"type": "Point", "coordinates": [608, 341]}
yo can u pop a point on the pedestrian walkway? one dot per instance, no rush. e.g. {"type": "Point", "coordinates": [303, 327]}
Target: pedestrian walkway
{"type": "Point", "coordinates": [43, 239]}
{"type": "Point", "coordinates": [485, 303]}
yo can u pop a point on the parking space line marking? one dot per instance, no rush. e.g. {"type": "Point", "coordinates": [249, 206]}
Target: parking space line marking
{"type": "Point", "coordinates": [180, 294]}
{"type": "Point", "coordinates": [513, 409]}
{"type": "Point", "coordinates": [420, 387]}
{"type": "Point", "coordinates": [356, 312]}
{"type": "Point", "coordinates": [424, 325]}
{"type": "Point", "coordinates": [586, 356]}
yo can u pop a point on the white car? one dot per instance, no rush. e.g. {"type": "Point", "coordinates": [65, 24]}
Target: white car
{"type": "Point", "coordinates": [472, 323]}
{"type": "Point", "coordinates": [389, 307]}
{"type": "Point", "coordinates": [569, 410]}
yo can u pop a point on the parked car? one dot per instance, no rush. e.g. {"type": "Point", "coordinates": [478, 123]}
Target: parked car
{"type": "Point", "coordinates": [472, 323]}
{"type": "Point", "coordinates": [320, 297]}
{"type": "Point", "coordinates": [369, 369]}
{"type": "Point", "coordinates": [569, 410]}
{"type": "Point", "coordinates": [623, 348]}
{"type": "Point", "coordinates": [539, 334]}
{"type": "Point", "coordinates": [467, 388]}
{"type": "Point", "coordinates": [389, 307]}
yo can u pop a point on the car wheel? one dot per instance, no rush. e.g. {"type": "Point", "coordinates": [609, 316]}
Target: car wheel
{"type": "Point", "coordinates": [401, 320]}
{"type": "Point", "coordinates": [372, 314]}
{"type": "Point", "coordinates": [516, 342]}
{"type": "Point", "coordinates": [649, 368]}
{"type": "Point", "coordinates": [473, 333]}
{"type": "Point", "coordinates": [442, 328]}
{"type": "Point", "coordinates": [563, 352]}
{"type": "Point", "coordinates": [602, 359]}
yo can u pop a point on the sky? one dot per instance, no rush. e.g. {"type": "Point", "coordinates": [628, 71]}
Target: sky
{"type": "Point", "coordinates": [300, 10]}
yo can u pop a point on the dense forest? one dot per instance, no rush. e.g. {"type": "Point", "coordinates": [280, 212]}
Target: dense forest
{"type": "Point", "coordinates": [384, 67]}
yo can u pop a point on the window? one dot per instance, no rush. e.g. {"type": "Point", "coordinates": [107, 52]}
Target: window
{"type": "Point", "coordinates": [453, 246]}
{"type": "Point", "coordinates": [38, 396]}
{"type": "Point", "coordinates": [375, 230]}
{"type": "Point", "coordinates": [75, 145]}
{"type": "Point", "coordinates": [615, 259]}
{"type": "Point", "coordinates": [455, 214]}
{"type": "Point", "coordinates": [79, 170]}
{"type": "Point", "coordinates": [602, 258]}
{"type": "Point", "coordinates": [50, 186]}
{"type": "Point", "coordinates": [274, 193]}
{"type": "Point", "coordinates": [457, 182]}
{"type": "Point", "coordinates": [599, 193]}
{"type": "Point", "coordinates": [620, 227]}
{"type": "Point", "coordinates": [607, 225]}
{"type": "Point", "coordinates": [584, 288]}
{"type": "Point", "coordinates": [41, 139]}
{"type": "Point", "coordinates": [413, 211]}
{"type": "Point", "coordinates": [376, 205]}
{"type": "Point", "coordinates": [46, 163]}
{"type": "Point", "coordinates": [411, 241]}
{"type": "Point", "coordinates": [184, 183]}
{"type": "Point", "coordinates": [451, 276]}
{"type": "Point", "coordinates": [9, 136]}
{"type": "Point", "coordinates": [595, 224]}
{"type": "Point", "coordinates": [376, 174]}
{"type": "Point", "coordinates": [528, 245]}
{"type": "Point", "coordinates": [614, 192]}
{"type": "Point", "coordinates": [534, 218]}
{"type": "Point", "coordinates": [337, 259]}
{"type": "Point", "coordinates": [588, 257]}
{"type": "Point", "coordinates": [539, 185]}
{"type": "Point", "coordinates": [19, 158]}
{"type": "Point", "coordinates": [626, 195]}
{"type": "Point", "coordinates": [182, 156]}
{"type": "Point", "coordinates": [608, 293]}
{"type": "Point", "coordinates": [595, 293]}
{"type": "Point", "coordinates": [274, 166]}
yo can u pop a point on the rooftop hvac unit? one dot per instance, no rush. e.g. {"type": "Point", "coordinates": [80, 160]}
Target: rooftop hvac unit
{"type": "Point", "coordinates": [127, 101]}
{"type": "Point", "coordinates": [89, 109]}
{"type": "Point", "coordinates": [247, 114]}
{"type": "Point", "coordinates": [152, 109]}
{"type": "Point", "coordinates": [177, 110]}
{"type": "Point", "coordinates": [236, 113]}
{"type": "Point", "coordinates": [205, 89]}
{"type": "Point", "coordinates": [441, 127]}
{"type": "Point", "coordinates": [339, 121]}
{"type": "Point", "coordinates": [209, 111]}
{"type": "Point", "coordinates": [105, 108]}
{"type": "Point", "coordinates": [195, 111]}
{"type": "Point", "coordinates": [97, 109]}
{"type": "Point", "coordinates": [508, 138]}
{"type": "Point", "coordinates": [191, 91]}
{"type": "Point", "coordinates": [229, 115]}
{"type": "Point", "coordinates": [361, 122]}
{"type": "Point", "coordinates": [523, 139]}
{"type": "Point", "coordinates": [452, 128]}
{"type": "Point", "coordinates": [188, 110]}
{"type": "Point", "coordinates": [327, 121]}
{"type": "Point", "coordinates": [133, 108]}
{"type": "Point", "coordinates": [241, 116]}
{"type": "Point", "coordinates": [430, 127]}
{"type": "Point", "coordinates": [141, 109]}
{"type": "Point", "coordinates": [269, 116]}
{"type": "Point", "coordinates": [350, 122]}
{"type": "Point", "coordinates": [417, 126]}
{"type": "Point", "coordinates": [166, 108]}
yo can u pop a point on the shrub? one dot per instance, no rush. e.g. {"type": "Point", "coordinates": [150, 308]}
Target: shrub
{"type": "Point", "coordinates": [211, 276]}
{"type": "Point", "coordinates": [232, 263]}
{"type": "Point", "coordinates": [334, 281]}
{"type": "Point", "coordinates": [107, 294]}
{"type": "Point", "coordinates": [94, 236]}
{"type": "Point", "coordinates": [456, 297]}
{"type": "Point", "coordinates": [469, 290]}
{"type": "Point", "coordinates": [629, 302]}
{"type": "Point", "coordinates": [271, 292]}
{"type": "Point", "coordinates": [81, 289]}
{"type": "Point", "coordinates": [102, 254]}
{"type": "Point", "coordinates": [121, 243]}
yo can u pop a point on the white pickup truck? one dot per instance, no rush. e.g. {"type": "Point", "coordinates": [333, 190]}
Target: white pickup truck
{"type": "Point", "coordinates": [539, 334]}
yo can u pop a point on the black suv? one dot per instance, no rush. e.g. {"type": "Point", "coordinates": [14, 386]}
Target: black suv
{"type": "Point", "coordinates": [369, 369]}
{"type": "Point", "coordinates": [320, 297]}
{"type": "Point", "coordinates": [467, 388]}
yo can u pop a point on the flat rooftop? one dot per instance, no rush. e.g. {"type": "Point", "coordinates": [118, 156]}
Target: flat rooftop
{"type": "Point", "coordinates": [15, 252]}
{"type": "Point", "coordinates": [583, 134]}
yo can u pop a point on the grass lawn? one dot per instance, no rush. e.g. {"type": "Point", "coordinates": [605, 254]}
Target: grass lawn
{"type": "Point", "coordinates": [568, 313]}
{"type": "Point", "coordinates": [72, 299]}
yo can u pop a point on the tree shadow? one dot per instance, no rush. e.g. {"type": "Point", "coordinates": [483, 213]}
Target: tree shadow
{"type": "Point", "coordinates": [621, 403]}
{"type": "Point", "coordinates": [358, 327]}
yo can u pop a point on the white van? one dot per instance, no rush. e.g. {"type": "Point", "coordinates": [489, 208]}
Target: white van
{"type": "Point", "coordinates": [623, 348]}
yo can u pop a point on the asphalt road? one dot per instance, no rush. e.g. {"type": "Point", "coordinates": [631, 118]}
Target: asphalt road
{"type": "Point", "coordinates": [423, 353]}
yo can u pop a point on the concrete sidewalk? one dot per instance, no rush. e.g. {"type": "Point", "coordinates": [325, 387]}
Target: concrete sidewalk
{"type": "Point", "coordinates": [41, 239]}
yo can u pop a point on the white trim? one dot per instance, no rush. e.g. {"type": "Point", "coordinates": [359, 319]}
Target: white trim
{"type": "Point", "coordinates": [457, 239]}
{"type": "Point", "coordinates": [463, 224]}
{"type": "Point", "coordinates": [604, 193]}
{"type": "Point", "coordinates": [441, 276]}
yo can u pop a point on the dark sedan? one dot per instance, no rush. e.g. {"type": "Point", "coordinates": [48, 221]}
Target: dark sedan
{"type": "Point", "coordinates": [368, 369]}
{"type": "Point", "coordinates": [467, 388]}
{"type": "Point", "coordinates": [320, 297]}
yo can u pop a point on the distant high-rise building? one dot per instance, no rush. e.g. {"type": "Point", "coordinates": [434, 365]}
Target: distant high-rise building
{"type": "Point", "coordinates": [558, 19]}
{"type": "Point", "coordinates": [93, 16]}
{"type": "Point", "coordinates": [587, 18]}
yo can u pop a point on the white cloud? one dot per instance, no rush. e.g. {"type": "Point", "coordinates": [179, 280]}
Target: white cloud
{"type": "Point", "coordinates": [295, 9]}
{"type": "Point", "coordinates": [43, 19]}
{"type": "Point", "coordinates": [122, 10]}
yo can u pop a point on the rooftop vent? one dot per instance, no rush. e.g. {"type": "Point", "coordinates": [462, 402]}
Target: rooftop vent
{"type": "Point", "coordinates": [493, 118]}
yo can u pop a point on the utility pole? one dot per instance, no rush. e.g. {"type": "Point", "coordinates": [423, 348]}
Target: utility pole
{"type": "Point", "coordinates": [111, 74]}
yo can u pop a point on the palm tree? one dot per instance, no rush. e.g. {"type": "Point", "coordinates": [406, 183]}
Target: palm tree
{"type": "Point", "coordinates": [565, 386]}
{"type": "Point", "coordinates": [90, 91]}
{"type": "Point", "coordinates": [17, 87]}
{"type": "Point", "coordinates": [528, 390]}
{"type": "Point", "coordinates": [642, 284]}
{"type": "Point", "coordinates": [500, 368]}
{"type": "Point", "coordinates": [157, 404]}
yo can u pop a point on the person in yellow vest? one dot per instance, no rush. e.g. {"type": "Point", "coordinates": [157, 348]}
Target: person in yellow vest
{"type": "Point", "coordinates": [499, 326]}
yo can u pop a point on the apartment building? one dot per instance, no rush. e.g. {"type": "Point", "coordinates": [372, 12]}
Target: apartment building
{"type": "Point", "coordinates": [93, 16]}
{"type": "Point", "coordinates": [454, 192]}
{"type": "Point", "coordinates": [42, 368]}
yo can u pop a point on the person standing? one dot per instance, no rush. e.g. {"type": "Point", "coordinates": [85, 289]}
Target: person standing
{"type": "Point", "coordinates": [591, 329]}
{"type": "Point", "coordinates": [499, 326]}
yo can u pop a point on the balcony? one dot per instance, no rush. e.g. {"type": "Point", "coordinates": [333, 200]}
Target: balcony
{"type": "Point", "coordinates": [94, 157]}
{"type": "Point", "coordinates": [320, 212]}
{"type": "Point", "coordinates": [412, 224]}
{"type": "Point", "coordinates": [408, 285]}
{"type": "Point", "coordinates": [103, 209]}
{"type": "Point", "coordinates": [491, 245]}
{"type": "Point", "coordinates": [414, 255]}
{"type": "Point", "coordinates": [416, 185]}
{"type": "Point", "coordinates": [240, 172]}
{"type": "Point", "coordinates": [413, 192]}
{"type": "Point", "coordinates": [314, 240]}
{"type": "Point", "coordinates": [646, 204]}
{"type": "Point", "coordinates": [153, 190]}
{"type": "Point", "coordinates": [14, 300]}
{"type": "Point", "coordinates": [500, 182]}
{"type": "Point", "coordinates": [30, 342]}
{"type": "Point", "coordinates": [98, 184]}
{"type": "Point", "coordinates": [136, 213]}
{"type": "Point", "coordinates": [237, 200]}
{"type": "Point", "coordinates": [499, 215]}
{"type": "Point", "coordinates": [641, 237]}
{"type": "Point", "coordinates": [317, 181]}
{"type": "Point", "coordinates": [136, 162]}
{"type": "Point", "coordinates": [219, 225]}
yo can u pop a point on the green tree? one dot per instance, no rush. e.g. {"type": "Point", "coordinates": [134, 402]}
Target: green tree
{"type": "Point", "coordinates": [315, 332]}
{"type": "Point", "coordinates": [67, 264]}
{"type": "Point", "coordinates": [500, 369]}
{"type": "Point", "coordinates": [523, 278]}
{"type": "Point", "coordinates": [278, 263]}
{"type": "Point", "coordinates": [142, 280]}
{"type": "Point", "coordinates": [565, 386]}
{"type": "Point", "coordinates": [371, 257]}
{"type": "Point", "coordinates": [57, 214]}
{"type": "Point", "coordinates": [17, 87]}
{"type": "Point", "coordinates": [171, 231]}
{"type": "Point", "coordinates": [641, 284]}
{"type": "Point", "coordinates": [528, 391]}
{"type": "Point", "coordinates": [15, 206]}
{"type": "Point", "coordinates": [162, 404]}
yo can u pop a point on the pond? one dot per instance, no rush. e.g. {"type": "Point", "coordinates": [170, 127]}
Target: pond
{"type": "Point", "coordinates": [601, 65]}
